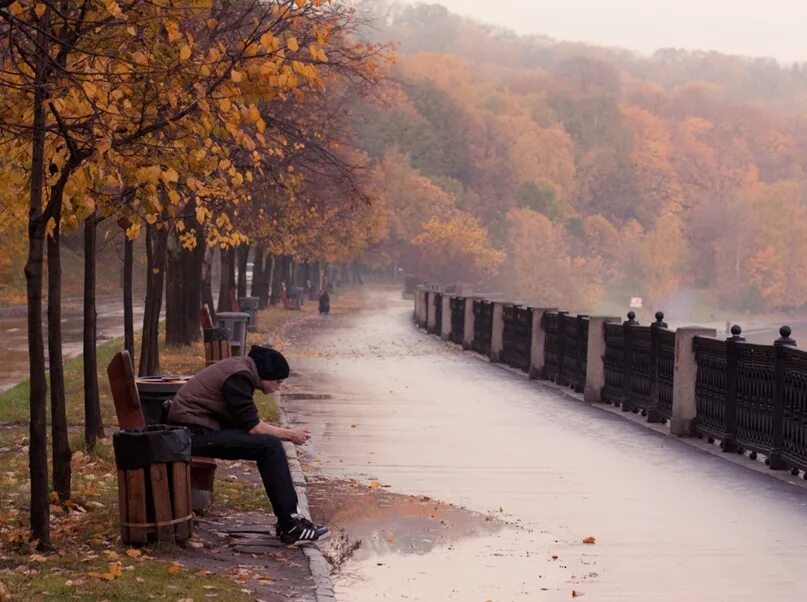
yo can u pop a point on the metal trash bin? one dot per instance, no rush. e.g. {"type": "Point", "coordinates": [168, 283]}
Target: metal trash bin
{"type": "Point", "coordinates": [249, 305]}
{"type": "Point", "coordinates": [296, 295]}
{"type": "Point", "coordinates": [153, 391]}
{"type": "Point", "coordinates": [235, 323]}
{"type": "Point", "coordinates": [154, 484]}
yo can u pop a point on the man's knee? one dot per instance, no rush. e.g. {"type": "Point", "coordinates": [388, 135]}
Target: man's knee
{"type": "Point", "coordinates": [270, 446]}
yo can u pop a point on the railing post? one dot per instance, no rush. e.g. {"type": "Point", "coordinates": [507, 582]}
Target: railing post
{"type": "Point", "coordinates": [595, 367]}
{"type": "Point", "coordinates": [445, 327]}
{"type": "Point", "coordinates": [537, 341]}
{"type": "Point", "coordinates": [627, 360]}
{"type": "Point", "coordinates": [431, 315]}
{"type": "Point", "coordinates": [732, 357]}
{"type": "Point", "coordinates": [561, 347]}
{"type": "Point", "coordinates": [496, 336]}
{"type": "Point", "coordinates": [685, 375]}
{"type": "Point", "coordinates": [775, 460]}
{"type": "Point", "coordinates": [468, 329]}
{"type": "Point", "coordinates": [653, 414]}
{"type": "Point", "coordinates": [581, 344]}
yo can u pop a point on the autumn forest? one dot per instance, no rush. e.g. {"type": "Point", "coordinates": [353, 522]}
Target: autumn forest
{"type": "Point", "coordinates": [578, 170]}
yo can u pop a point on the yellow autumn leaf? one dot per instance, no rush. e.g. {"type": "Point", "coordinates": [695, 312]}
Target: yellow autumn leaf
{"type": "Point", "coordinates": [374, 484]}
{"type": "Point", "coordinates": [292, 44]}
{"type": "Point", "coordinates": [132, 553]}
{"type": "Point", "coordinates": [39, 10]}
{"type": "Point", "coordinates": [170, 176]}
{"type": "Point", "coordinates": [174, 568]}
{"type": "Point", "coordinates": [113, 8]}
{"type": "Point", "coordinates": [184, 52]}
{"type": "Point", "coordinates": [266, 41]}
{"type": "Point", "coordinates": [236, 76]}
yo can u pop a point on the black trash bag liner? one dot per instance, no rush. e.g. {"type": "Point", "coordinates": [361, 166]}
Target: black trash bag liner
{"type": "Point", "coordinates": [215, 334]}
{"type": "Point", "coordinates": [155, 444]}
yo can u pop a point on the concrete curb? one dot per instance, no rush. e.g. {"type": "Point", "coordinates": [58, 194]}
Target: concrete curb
{"type": "Point", "coordinates": [323, 585]}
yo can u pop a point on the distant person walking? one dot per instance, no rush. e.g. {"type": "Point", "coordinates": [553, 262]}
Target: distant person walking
{"type": "Point", "coordinates": [324, 303]}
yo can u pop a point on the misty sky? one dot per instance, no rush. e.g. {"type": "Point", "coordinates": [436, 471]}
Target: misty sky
{"type": "Point", "coordinates": [772, 28]}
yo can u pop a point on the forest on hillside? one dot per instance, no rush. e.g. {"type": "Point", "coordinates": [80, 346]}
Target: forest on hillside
{"type": "Point", "coordinates": [558, 172]}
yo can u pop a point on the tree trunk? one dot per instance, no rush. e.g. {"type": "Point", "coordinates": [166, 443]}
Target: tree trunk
{"type": "Point", "coordinates": [128, 307]}
{"type": "Point", "coordinates": [183, 293]}
{"type": "Point", "coordinates": [242, 254]}
{"type": "Point", "coordinates": [60, 444]}
{"type": "Point", "coordinates": [38, 444]}
{"type": "Point", "coordinates": [274, 282]}
{"type": "Point", "coordinates": [93, 424]}
{"type": "Point", "coordinates": [206, 283]}
{"type": "Point", "coordinates": [258, 272]}
{"type": "Point", "coordinates": [265, 292]}
{"type": "Point", "coordinates": [155, 267]}
{"type": "Point", "coordinates": [227, 279]}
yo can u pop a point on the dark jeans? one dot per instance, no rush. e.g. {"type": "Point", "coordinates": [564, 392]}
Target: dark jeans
{"type": "Point", "coordinates": [267, 451]}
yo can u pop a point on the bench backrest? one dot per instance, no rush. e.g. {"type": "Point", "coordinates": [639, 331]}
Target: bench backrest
{"type": "Point", "coordinates": [205, 317]}
{"type": "Point", "coordinates": [124, 391]}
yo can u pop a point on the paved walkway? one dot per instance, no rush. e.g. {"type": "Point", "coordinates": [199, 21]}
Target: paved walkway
{"type": "Point", "coordinates": [671, 522]}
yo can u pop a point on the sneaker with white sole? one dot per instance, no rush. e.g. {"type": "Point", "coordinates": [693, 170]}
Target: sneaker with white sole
{"type": "Point", "coordinates": [302, 531]}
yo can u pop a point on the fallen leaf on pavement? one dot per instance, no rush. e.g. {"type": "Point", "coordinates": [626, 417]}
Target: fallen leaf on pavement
{"type": "Point", "coordinates": [589, 540]}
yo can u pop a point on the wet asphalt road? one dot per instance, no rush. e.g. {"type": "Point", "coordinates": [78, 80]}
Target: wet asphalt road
{"type": "Point", "coordinates": [670, 521]}
{"type": "Point", "coordinates": [14, 332]}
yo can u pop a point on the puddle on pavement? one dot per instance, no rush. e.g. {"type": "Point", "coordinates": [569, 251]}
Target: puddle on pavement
{"type": "Point", "coordinates": [372, 522]}
{"type": "Point", "coordinates": [388, 545]}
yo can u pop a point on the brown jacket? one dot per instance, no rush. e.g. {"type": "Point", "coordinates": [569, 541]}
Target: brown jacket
{"type": "Point", "coordinates": [201, 401]}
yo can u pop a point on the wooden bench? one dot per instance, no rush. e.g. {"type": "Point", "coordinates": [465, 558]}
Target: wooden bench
{"type": "Point", "coordinates": [130, 416]}
{"type": "Point", "coordinates": [217, 347]}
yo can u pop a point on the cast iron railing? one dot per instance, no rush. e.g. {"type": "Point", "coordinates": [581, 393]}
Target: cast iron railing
{"type": "Point", "coordinates": [516, 336]}
{"type": "Point", "coordinates": [574, 348]}
{"type": "Point", "coordinates": [714, 420]}
{"type": "Point", "coordinates": [665, 369]}
{"type": "Point", "coordinates": [756, 381]}
{"type": "Point", "coordinates": [438, 314]}
{"type": "Point", "coordinates": [483, 326]}
{"type": "Point", "coordinates": [457, 320]}
{"type": "Point", "coordinates": [794, 407]}
{"type": "Point", "coordinates": [613, 391]}
{"type": "Point", "coordinates": [553, 343]}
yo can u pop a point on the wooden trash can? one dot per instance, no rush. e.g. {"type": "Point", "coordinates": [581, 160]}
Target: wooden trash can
{"type": "Point", "coordinates": [217, 345]}
{"type": "Point", "coordinates": [154, 484]}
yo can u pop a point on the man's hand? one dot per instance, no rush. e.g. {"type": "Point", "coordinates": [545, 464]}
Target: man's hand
{"type": "Point", "coordinates": [297, 436]}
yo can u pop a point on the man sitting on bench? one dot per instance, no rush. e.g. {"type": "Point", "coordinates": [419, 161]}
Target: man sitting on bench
{"type": "Point", "coordinates": [217, 407]}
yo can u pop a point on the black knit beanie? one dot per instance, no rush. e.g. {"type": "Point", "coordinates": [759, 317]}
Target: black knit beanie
{"type": "Point", "coordinates": [270, 362]}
